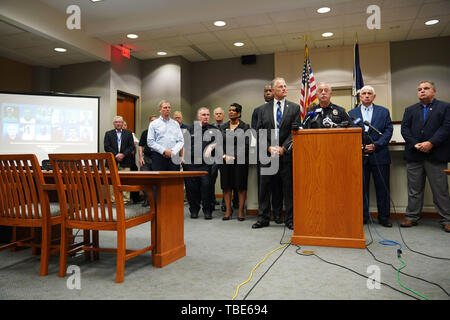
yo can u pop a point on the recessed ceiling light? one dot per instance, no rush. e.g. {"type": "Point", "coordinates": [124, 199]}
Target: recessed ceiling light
{"type": "Point", "coordinates": [161, 53]}
{"type": "Point", "coordinates": [60, 49]}
{"type": "Point", "coordinates": [96, 0]}
{"type": "Point", "coordinates": [323, 10]}
{"type": "Point", "coordinates": [431, 22]}
{"type": "Point", "coordinates": [238, 44]}
{"type": "Point", "coordinates": [132, 36]}
{"type": "Point", "coordinates": [220, 23]}
{"type": "Point", "coordinates": [327, 34]}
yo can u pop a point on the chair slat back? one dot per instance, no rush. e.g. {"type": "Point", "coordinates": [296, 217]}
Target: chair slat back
{"type": "Point", "coordinates": [21, 187]}
{"type": "Point", "coordinates": [83, 185]}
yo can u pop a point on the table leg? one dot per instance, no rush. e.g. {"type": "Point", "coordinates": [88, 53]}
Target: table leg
{"type": "Point", "coordinates": [169, 222]}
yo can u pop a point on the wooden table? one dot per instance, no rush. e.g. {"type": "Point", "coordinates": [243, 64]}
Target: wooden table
{"type": "Point", "coordinates": [169, 209]}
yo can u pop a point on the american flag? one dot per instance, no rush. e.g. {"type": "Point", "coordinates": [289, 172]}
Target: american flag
{"type": "Point", "coordinates": [308, 93]}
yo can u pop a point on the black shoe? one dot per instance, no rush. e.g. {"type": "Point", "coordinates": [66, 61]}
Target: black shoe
{"type": "Point", "coordinates": [241, 219]}
{"type": "Point", "coordinates": [260, 224]}
{"type": "Point", "coordinates": [385, 223]}
{"type": "Point", "coordinates": [278, 220]}
{"type": "Point", "coordinates": [145, 203]}
{"type": "Point", "coordinates": [290, 225]}
{"type": "Point", "coordinates": [208, 215]}
{"type": "Point", "coordinates": [227, 218]}
{"type": "Point", "coordinates": [194, 215]}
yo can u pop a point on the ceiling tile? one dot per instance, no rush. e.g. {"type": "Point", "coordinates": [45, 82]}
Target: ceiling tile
{"type": "Point", "coordinates": [329, 43]}
{"type": "Point", "coordinates": [174, 42]}
{"type": "Point", "coordinates": [434, 9]}
{"type": "Point", "coordinates": [230, 24]}
{"type": "Point", "coordinates": [253, 20]}
{"type": "Point", "coordinates": [235, 34]}
{"type": "Point", "coordinates": [395, 14]}
{"type": "Point", "coordinates": [330, 22]}
{"type": "Point", "coordinates": [261, 31]}
{"type": "Point", "coordinates": [202, 38]}
{"type": "Point", "coordinates": [293, 26]}
{"type": "Point", "coordinates": [422, 34]}
{"type": "Point", "coordinates": [287, 16]}
{"type": "Point", "coordinates": [270, 40]}
{"type": "Point", "coordinates": [190, 28]}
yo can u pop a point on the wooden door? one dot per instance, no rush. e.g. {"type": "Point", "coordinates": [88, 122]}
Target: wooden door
{"type": "Point", "coordinates": [126, 108]}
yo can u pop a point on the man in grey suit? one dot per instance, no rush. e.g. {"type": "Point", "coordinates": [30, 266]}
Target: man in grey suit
{"type": "Point", "coordinates": [277, 117]}
{"type": "Point", "coordinates": [426, 130]}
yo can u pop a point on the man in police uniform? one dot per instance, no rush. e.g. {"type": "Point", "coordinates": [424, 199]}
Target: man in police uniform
{"type": "Point", "coordinates": [328, 115]}
{"type": "Point", "coordinates": [198, 189]}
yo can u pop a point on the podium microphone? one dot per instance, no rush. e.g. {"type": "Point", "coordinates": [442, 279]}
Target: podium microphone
{"type": "Point", "coordinates": [309, 115]}
{"type": "Point", "coordinates": [328, 123]}
{"type": "Point", "coordinates": [367, 123]}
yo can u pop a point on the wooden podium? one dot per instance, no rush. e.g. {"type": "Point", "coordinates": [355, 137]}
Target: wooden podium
{"type": "Point", "coordinates": [327, 184]}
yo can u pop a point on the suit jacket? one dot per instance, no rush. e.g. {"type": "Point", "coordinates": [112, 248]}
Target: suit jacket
{"type": "Point", "coordinates": [381, 120]}
{"type": "Point", "coordinates": [255, 116]}
{"type": "Point", "coordinates": [266, 120]}
{"type": "Point", "coordinates": [126, 146]}
{"type": "Point", "coordinates": [435, 128]}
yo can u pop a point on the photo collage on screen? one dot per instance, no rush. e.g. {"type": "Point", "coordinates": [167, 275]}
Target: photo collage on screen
{"type": "Point", "coordinates": [41, 123]}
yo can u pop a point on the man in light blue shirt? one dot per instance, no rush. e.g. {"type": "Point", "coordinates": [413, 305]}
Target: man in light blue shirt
{"type": "Point", "coordinates": [166, 140]}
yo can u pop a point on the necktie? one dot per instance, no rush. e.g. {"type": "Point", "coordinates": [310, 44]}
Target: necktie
{"type": "Point", "coordinates": [279, 115]}
{"type": "Point", "coordinates": [119, 138]}
{"type": "Point", "coordinates": [425, 111]}
{"type": "Point", "coordinates": [367, 118]}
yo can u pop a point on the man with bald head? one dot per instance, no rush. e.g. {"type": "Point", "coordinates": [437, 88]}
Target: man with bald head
{"type": "Point", "coordinates": [328, 114]}
{"type": "Point", "coordinates": [198, 189]}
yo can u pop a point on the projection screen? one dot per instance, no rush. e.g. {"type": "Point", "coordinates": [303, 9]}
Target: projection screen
{"type": "Point", "coordinates": [48, 123]}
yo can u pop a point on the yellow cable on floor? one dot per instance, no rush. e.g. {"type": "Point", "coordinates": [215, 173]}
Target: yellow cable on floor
{"type": "Point", "coordinates": [251, 274]}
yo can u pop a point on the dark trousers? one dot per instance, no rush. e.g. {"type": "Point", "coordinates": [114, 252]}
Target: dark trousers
{"type": "Point", "coordinates": [380, 175]}
{"type": "Point", "coordinates": [276, 193]}
{"type": "Point", "coordinates": [281, 180]}
{"type": "Point", "coordinates": [147, 167]}
{"type": "Point", "coordinates": [198, 189]}
{"type": "Point", "coordinates": [159, 163]}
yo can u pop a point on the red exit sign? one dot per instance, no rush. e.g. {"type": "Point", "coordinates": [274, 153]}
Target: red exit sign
{"type": "Point", "coordinates": [125, 52]}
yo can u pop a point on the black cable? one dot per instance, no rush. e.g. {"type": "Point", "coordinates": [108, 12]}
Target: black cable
{"type": "Point", "coordinates": [262, 276]}
{"type": "Point", "coordinates": [362, 275]}
{"type": "Point", "coordinates": [404, 273]}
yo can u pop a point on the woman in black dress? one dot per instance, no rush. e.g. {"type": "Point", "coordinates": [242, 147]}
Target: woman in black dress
{"type": "Point", "coordinates": [234, 170]}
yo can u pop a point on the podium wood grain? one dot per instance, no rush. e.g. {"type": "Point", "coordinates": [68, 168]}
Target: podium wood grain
{"type": "Point", "coordinates": [327, 173]}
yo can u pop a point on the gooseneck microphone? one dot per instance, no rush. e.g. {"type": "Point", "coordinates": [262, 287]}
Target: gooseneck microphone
{"type": "Point", "coordinates": [367, 123]}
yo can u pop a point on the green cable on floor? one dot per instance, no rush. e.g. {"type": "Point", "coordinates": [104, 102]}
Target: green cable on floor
{"type": "Point", "coordinates": [398, 279]}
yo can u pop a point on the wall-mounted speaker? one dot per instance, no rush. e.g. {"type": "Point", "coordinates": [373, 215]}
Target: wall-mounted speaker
{"type": "Point", "coordinates": [250, 59]}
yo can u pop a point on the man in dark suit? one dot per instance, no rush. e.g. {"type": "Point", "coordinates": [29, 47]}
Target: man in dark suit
{"type": "Point", "coordinates": [377, 159]}
{"type": "Point", "coordinates": [426, 130]}
{"type": "Point", "coordinates": [120, 143]}
{"type": "Point", "coordinates": [276, 192]}
{"type": "Point", "coordinates": [277, 117]}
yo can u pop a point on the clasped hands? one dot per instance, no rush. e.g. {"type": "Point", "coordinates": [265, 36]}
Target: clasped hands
{"type": "Point", "coordinates": [276, 151]}
{"type": "Point", "coordinates": [424, 146]}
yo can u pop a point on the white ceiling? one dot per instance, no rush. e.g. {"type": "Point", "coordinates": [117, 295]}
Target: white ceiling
{"type": "Point", "coordinates": [185, 27]}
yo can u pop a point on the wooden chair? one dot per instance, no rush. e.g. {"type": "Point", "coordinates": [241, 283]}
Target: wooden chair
{"type": "Point", "coordinates": [83, 183]}
{"type": "Point", "coordinates": [24, 203]}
